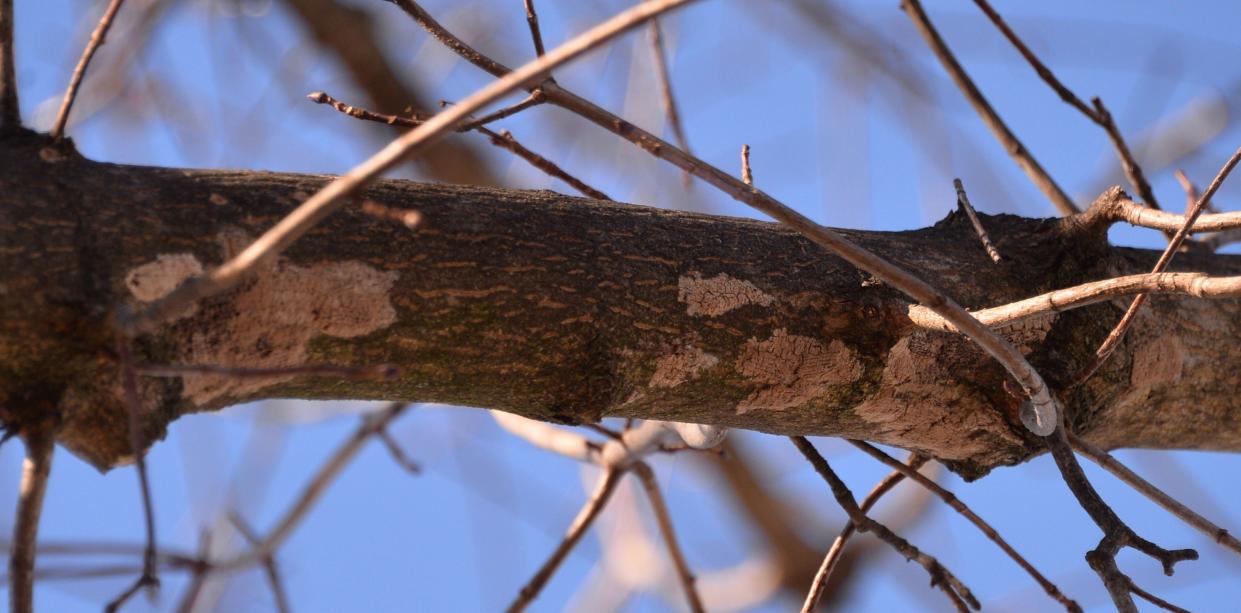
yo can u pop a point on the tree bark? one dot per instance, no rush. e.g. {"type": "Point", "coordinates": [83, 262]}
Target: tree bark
{"type": "Point", "coordinates": [568, 310]}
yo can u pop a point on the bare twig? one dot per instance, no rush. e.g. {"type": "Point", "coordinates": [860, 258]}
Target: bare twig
{"type": "Point", "coordinates": [659, 57]}
{"type": "Point", "coordinates": [585, 517]}
{"type": "Point", "coordinates": [1116, 534]}
{"type": "Point", "coordinates": [664, 520]}
{"type": "Point", "coordinates": [1040, 415]}
{"type": "Point", "coordinates": [951, 500]}
{"type": "Point", "coordinates": [331, 196]}
{"type": "Point", "coordinates": [137, 444]}
{"type": "Point", "coordinates": [988, 115]}
{"type": "Point", "coordinates": [398, 454]}
{"type": "Point", "coordinates": [75, 81]}
{"type": "Point", "coordinates": [371, 426]}
{"type": "Point", "coordinates": [532, 20]}
{"type": "Point", "coordinates": [269, 562]}
{"type": "Point", "coordinates": [941, 577]}
{"type": "Point", "coordinates": [534, 99]}
{"type": "Point", "coordinates": [10, 105]}
{"type": "Point", "coordinates": [837, 549]}
{"type": "Point", "coordinates": [40, 446]}
{"type": "Point", "coordinates": [1098, 114]}
{"type": "Point", "coordinates": [1135, 214]}
{"type": "Point", "coordinates": [747, 175]}
{"type": "Point", "coordinates": [503, 140]}
{"type": "Point", "coordinates": [198, 575]}
{"type": "Point", "coordinates": [1154, 494]}
{"type": "Point", "coordinates": [964, 202]}
{"type": "Point", "coordinates": [1194, 284]}
{"type": "Point", "coordinates": [1113, 338]}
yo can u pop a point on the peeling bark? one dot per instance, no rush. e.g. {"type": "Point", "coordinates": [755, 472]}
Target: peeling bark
{"type": "Point", "coordinates": [565, 309]}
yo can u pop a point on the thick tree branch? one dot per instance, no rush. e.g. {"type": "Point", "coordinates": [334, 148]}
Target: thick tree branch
{"type": "Point", "coordinates": [566, 309]}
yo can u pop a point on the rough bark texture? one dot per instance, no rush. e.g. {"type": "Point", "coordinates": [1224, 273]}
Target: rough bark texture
{"type": "Point", "coordinates": [567, 310]}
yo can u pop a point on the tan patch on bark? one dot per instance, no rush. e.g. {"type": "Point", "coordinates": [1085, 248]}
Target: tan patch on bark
{"type": "Point", "coordinates": [275, 315]}
{"type": "Point", "coordinates": [154, 280]}
{"type": "Point", "coordinates": [1158, 361]}
{"type": "Point", "coordinates": [918, 408]}
{"type": "Point", "coordinates": [684, 365]}
{"type": "Point", "coordinates": [718, 295]}
{"type": "Point", "coordinates": [792, 370]}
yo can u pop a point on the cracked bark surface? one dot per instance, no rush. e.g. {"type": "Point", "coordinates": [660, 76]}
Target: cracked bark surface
{"type": "Point", "coordinates": [566, 309]}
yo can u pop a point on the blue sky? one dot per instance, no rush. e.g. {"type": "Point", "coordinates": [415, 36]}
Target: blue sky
{"type": "Point", "coordinates": [221, 84]}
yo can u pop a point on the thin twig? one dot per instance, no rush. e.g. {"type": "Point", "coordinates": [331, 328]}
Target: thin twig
{"type": "Point", "coordinates": [663, 519]}
{"type": "Point", "coordinates": [315, 488]}
{"type": "Point", "coordinates": [1114, 337]}
{"type": "Point", "coordinates": [503, 140]}
{"type": "Point", "coordinates": [269, 562]}
{"type": "Point", "coordinates": [535, 98]}
{"type": "Point", "coordinates": [1109, 463]}
{"type": "Point", "coordinates": [1116, 534]}
{"type": "Point", "coordinates": [941, 577]}
{"type": "Point", "coordinates": [10, 105]}
{"type": "Point", "coordinates": [659, 57]}
{"type": "Point", "coordinates": [398, 454]}
{"type": "Point", "coordinates": [1040, 415]}
{"type": "Point", "coordinates": [951, 500]}
{"type": "Point", "coordinates": [532, 19]}
{"type": "Point", "coordinates": [380, 372]}
{"type": "Point", "coordinates": [1098, 114]}
{"type": "Point", "coordinates": [334, 194]}
{"type": "Point", "coordinates": [198, 576]}
{"type": "Point", "coordinates": [836, 551]}
{"type": "Point", "coordinates": [747, 175]}
{"type": "Point", "coordinates": [585, 517]}
{"type": "Point", "coordinates": [137, 444]}
{"type": "Point", "coordinates": [1195, 284]}
{"type": "Point", "coordinates": [964, 202]}
{"type": "Point", "coordinates": [998, 128]}
{"type": "Point", "coordinates": [75, 81]}
{"type": "Point", "coordinates": [40, 447]}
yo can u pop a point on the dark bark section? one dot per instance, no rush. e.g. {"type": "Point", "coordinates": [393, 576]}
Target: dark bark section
{"type": "Point", "coordinates": [566, 309]}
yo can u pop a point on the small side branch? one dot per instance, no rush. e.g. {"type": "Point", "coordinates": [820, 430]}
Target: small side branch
{"type": "Point", "coordinates": [964, 202]}
{"type": "Point", "coordinates": [1188, 283]}
{"type": "Point", "coordinates": [1098, 114]}
{"type": "Point", "coordinates": [663, 519]}
{"type": "Point", "coordinates": [137, 444]}
{"type": "Point", "coordinates": [532, 20]}
{"type": "Point", "coordinates": [503, 140]}
{"type": "Point", "coordinates": [1116, 534]}
{"type": "Point", "coordinates": [951, 500]}
{"type": "Point", "coordinates": [1154, 494]}
{"type": "Point", "coordinates": [585, 517]}
{"type": "Point", "coordinates": [836, 551]}
{"type": "Point", "coordinates": [659, 57]}
{"type": "Point", "coordinates": [1011, 143]}
{"type": "Point", "coordinates": [40, 446]}
{"type": "Point", "coordinates": [941, 577]}
{"type": "Point", "coordinates": [1114, 337]}
{"type": "Point", "coordinates": [79, 72]}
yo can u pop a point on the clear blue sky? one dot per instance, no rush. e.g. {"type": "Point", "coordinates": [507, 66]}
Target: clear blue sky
{"type": "Point", "coordinates": [221, 83]}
